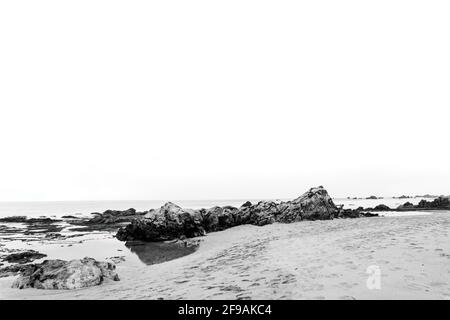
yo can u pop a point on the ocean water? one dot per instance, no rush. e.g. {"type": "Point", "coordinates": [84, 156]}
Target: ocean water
{"type": "Point", "coordinates": [84, 208]}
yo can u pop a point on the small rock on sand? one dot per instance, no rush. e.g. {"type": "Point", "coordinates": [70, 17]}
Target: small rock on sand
{"type": "Point", "coordinates": [60, 274]}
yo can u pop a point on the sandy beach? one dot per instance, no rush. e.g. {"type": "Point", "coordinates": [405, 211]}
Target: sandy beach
{"type": "Point", "coordinates": [303, 260]}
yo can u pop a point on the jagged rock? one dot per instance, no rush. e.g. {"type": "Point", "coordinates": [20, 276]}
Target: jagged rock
{"type": "Point", "coordinates": [246, 204]}
{"type": "Point", "coordinates": [168, 222]}
{"type": "Point", "coordinates": [219, 218]}
{"type": "Point", "coordinates": [171, 221]}
{"type": "Point", "coordinates": [260, 214]}
{"type": "Point", "coordinates": [60, 274]}
{"type": "Point", "coordinates": [23, 257]}
{"type": "Point", "coordinates": [372, 198]}
{"type": "Point", "coordinates": [115, 216]}
{"type": "Point", "coordinates": [315, 204]}
{"type": "Point", "coordinates": [14, 269]}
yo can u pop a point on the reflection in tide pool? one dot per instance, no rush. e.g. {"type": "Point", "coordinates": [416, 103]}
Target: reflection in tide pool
{"type": "Point", "coordinates": [158, 252]}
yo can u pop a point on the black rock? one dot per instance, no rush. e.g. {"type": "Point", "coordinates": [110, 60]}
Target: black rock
{"type": "Point", "coordinates": [23, 257]}
{"type": "Point", "coordinates": [247, 204]}
{"type": "Point", "coordinates": [115, 216]}
{"type": "Point", "coordinates": [171, 222]}
{"type": "Point", "coordinates": [438, 203]}
{"type": "Point", "coordinates": [381, 207]}
{"type": "Point", "coordinates": [15, 269]}
{"type": "Point", "coordinates": [14, 219]}
{"type": "Point", "coordinates": [167, 223]}
{"type": "Point", "coordinates": [349, 213]}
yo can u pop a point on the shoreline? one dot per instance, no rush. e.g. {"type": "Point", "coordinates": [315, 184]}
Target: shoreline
{"type": "Point", "coordinates": [302, 260]}
{"type": "Point", "coordinates": [219, 242]}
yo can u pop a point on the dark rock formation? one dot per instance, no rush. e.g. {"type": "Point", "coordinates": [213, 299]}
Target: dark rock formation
{"type": "Point", "coordinates": [350, 213]}
{"type": "Point", "coordinates": [110, 220]}
{"type": "Point", "coordinates": [247, 204]}
{"type": "Point", "coordinates": [315, 204]}
{"type": "Point", "coordinates": [168, 222]}
{"type": "Point", "coordinates": [15, 269]}
{"type": "Point", "coordinates": [438, 203]}
{"type": "Point", "coordinates": [115, 216]}
{"type": "Point", "coordinates": [372, 198]}
{"type": "Point", "coordinates": [406, 206]}
{"type": "Point", "coordinates": [260, 214]}
{"type": "Point", "coordinates": [219, 218]}
{"type": "Point", "coordinates": [355, 213]}
{"type": "Point", "coordinates": [14, 219]}
{"type": "Point", "coordinates": [24, 219]}
{"type": "Point", "coordinates": [381, 207]}
{"type": "Point", "coordinates": [23, 257]}
{"type": "Point", "coordinates": [35, 225]}
{"type": "Point", "coordinates": [171, 221]}
{"type": "Point", "coordinates": [60, 274]}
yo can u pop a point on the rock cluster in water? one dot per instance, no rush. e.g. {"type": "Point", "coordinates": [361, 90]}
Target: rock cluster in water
{"type": "Point", "coordinates": [171, 221]}
{"type": "Point", "coordinates": [60, 274]}
{"type": "Point", "coordinates": [115, 216]}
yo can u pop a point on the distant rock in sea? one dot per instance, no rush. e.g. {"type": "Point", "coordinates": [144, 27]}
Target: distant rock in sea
{"type": "Point", "coordinates": [108, 220]}
{"type": "Point", "coordinates": [427, 196]}
{"type": "Point", "coordinates": [115, 216]}
{"type": "Point", "coordinates": [372, 198]}
{"type": "Point", "coordinates": [171, 221]}
{"type": "Point", "coordinates": [60, 274]}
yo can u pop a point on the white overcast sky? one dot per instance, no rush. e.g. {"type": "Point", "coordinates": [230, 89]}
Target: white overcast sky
{"type": "Point", "coordinates": [223, 99]}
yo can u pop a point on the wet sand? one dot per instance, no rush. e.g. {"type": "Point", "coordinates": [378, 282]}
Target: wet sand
{"type": "Point", "coordinates": [303, 260]}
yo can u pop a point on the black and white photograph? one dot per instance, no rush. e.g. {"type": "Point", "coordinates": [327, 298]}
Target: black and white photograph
{"type": "Point", "coordinates": [224, 150]}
